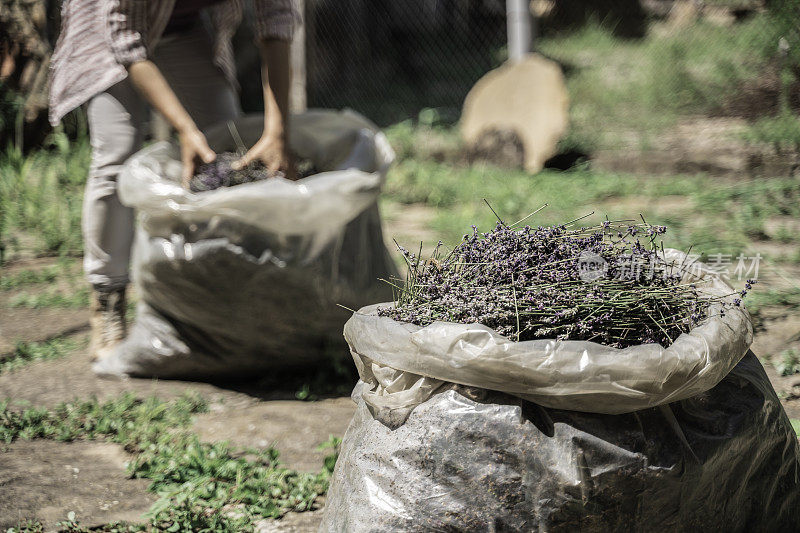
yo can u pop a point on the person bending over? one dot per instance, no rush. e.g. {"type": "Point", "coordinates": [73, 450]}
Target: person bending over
{"type": "Point", "coordinates": [116, 56]}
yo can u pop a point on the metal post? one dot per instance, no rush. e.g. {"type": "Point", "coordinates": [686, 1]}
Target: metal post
{"type": "Point", "coordinates": [518, 19]}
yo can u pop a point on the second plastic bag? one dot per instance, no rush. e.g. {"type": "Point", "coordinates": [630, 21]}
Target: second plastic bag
{"type": "Point", "coordinates": [247, 279]}
{"type": "Point", "coordinates": [471, 460]}
{"type": "Point", "coordinates": [461, 429]}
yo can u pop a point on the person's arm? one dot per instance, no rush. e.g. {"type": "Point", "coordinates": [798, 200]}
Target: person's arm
{"type": "Point", "coordinates": [275, 21]}
{"type": "Point", "coordinates": [126, 30]}
{"type": "Point", "coordinates": [149, 81]}
{"type": "Point", "coordinates": [273, 146]}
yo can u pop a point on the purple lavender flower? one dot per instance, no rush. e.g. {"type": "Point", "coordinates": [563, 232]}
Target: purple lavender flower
{"type": "Point", "coordinates": [527, 284]}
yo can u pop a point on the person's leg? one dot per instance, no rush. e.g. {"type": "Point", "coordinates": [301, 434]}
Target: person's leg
{"type": "Point", "coordinates": [186, 60]}
{"type": "Point", "coordinates": [115, 119]}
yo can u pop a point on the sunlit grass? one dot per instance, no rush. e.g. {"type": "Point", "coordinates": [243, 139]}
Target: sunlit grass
{"type": "Point", "coordinates": [646, 85]}
{"type": "Point", "coordinates": [699, 210]}
{"type": "Point", "coordinates": [40, 197]}
{"type": "Point", "coordinates": [28, 352]}
{"type": "Point", "coordinates": [201, 486]}
{"type": "Point", "coordinates": [782, 132]}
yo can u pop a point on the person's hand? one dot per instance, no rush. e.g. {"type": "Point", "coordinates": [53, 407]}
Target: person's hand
{"type": "Point", "coordinates": [194, 149]}
{"type": "Point", "coordinates": [274, 153]}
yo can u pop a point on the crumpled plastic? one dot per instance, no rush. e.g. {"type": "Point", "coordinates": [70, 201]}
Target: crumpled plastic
{"type": "Point", "coordinates": [460, 429]}
{"type": "Point", "coordinates": [243, 280]}
{"type": "Point", "coordinates": [472, 460]}
{"type": "Point", "coordinates": [576, 375]}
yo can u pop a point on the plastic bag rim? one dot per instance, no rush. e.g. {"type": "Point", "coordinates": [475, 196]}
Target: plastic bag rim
{"type": "Point", "coordinates": [694, 362]}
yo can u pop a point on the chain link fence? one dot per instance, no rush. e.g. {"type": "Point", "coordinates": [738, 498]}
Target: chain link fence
{"type": "Point", "coordinates": [388, 59]}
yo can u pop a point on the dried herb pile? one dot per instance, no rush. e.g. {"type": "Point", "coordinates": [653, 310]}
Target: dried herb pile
{"type": "Point", "coordinates": [608, 283]}
{"type": "Point", "coordinates": [220, 173]}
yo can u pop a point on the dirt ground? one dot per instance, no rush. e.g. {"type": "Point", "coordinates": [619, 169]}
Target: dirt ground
{"type": "Point", "coordinates": [711, 145]}
{"type": "Point", "coordinates": [46, 480]}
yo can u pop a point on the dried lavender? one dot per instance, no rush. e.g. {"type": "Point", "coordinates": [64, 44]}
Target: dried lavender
{"type": "Point", "coordinates": [220, 173]}
{"type": "Point", "coordinates": [609, 284]}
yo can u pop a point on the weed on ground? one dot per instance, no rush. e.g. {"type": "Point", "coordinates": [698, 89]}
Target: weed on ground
{"type": "Point", "coordinates": [789, 363]}
{"type": "Point", "coordinates": [40, 198]}
{"type": "Point", "coordinates": [76, 298]}
{"type": "Point", "coordinates": [27, 352]}
{"type": "Point", "coordinates": [201, 486]}
{"type": "Point", "coordinates": [781, 132]}
{"type": "Point", "coordinates": [26, 278]}
{"type": "Point", "coordinates": [646, 85]}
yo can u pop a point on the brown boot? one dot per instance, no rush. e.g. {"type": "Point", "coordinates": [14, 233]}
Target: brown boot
{"type": "Point", "coordinates": [107, 322]}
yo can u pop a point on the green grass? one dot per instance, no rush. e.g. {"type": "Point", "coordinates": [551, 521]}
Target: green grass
{"type": "Point", "coordinates": [795, 425]}
{"type": "Point", "coordinates": [789, 363]}
{"type": "Point", "coordinates": [748, 204]}
{"type": "Point", "coordinates": [71, 294]}
{"type": "Point", "coordinates": [27, 352]}
{"type": "Point", "coordinates": [760, 299]}
{"type": "Point", "coordinates": [646, 85]}
{"type": "Point", "coordinates": [426, 139]}
{"type": "Point", "coordinates": [24, 278]}
{"type": "Point", "coordinates": [65, 268]}
{"type": "Point", "coordinates": [40, 197]}
{"type": "Point", "coordinates": [782, 132]}
{"type": "Point", "coordinates": [710, 216]}
{"type": "Point", "coordinates": [76, 298]}
{"type": "Point", "coordinates": [201, 486]}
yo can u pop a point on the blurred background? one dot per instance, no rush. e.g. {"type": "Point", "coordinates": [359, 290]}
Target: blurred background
{"type": "Point", "coordinates": [683, 112]}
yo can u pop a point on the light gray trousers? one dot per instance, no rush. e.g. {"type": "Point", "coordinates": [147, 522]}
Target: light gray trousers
{"type": "Point", "coordinates": [116, 118]}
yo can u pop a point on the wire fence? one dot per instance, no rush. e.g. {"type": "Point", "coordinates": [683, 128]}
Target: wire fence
{"type": "Point", "coordinates": [389, 59]}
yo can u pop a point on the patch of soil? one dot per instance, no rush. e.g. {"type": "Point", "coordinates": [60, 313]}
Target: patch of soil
{"type": "Point", "coordinates": [307, 522]}
{"type": "Point", "coordinates": [776, 335]}
{"type": "Point", "coordinates": [33, 263]}
{"type": "Point", "coordinates": [294, 428]}
{"type": "Point", "coordinates": [36, 325]}
{"type": "Point", "coordinates": [45, 480]}
{"type": "Point", "coordinates": [761, 96]}
{"type": "Point", "coordinates": [710, 145]}
{"type": "Point", "coordinates": [236, 416]}
{"type": "Point", "coordinates": [409, 225]}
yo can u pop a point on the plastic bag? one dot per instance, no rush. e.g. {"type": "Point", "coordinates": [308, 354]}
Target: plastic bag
{"type": "Point", "coordinates": [470, 460]}
{"type": "Point", "coordinates": [246, 279]}
{"type": "Point", "coordinates": [461, 429]}
{"type": "Point", "coordinates": [576, 375]}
